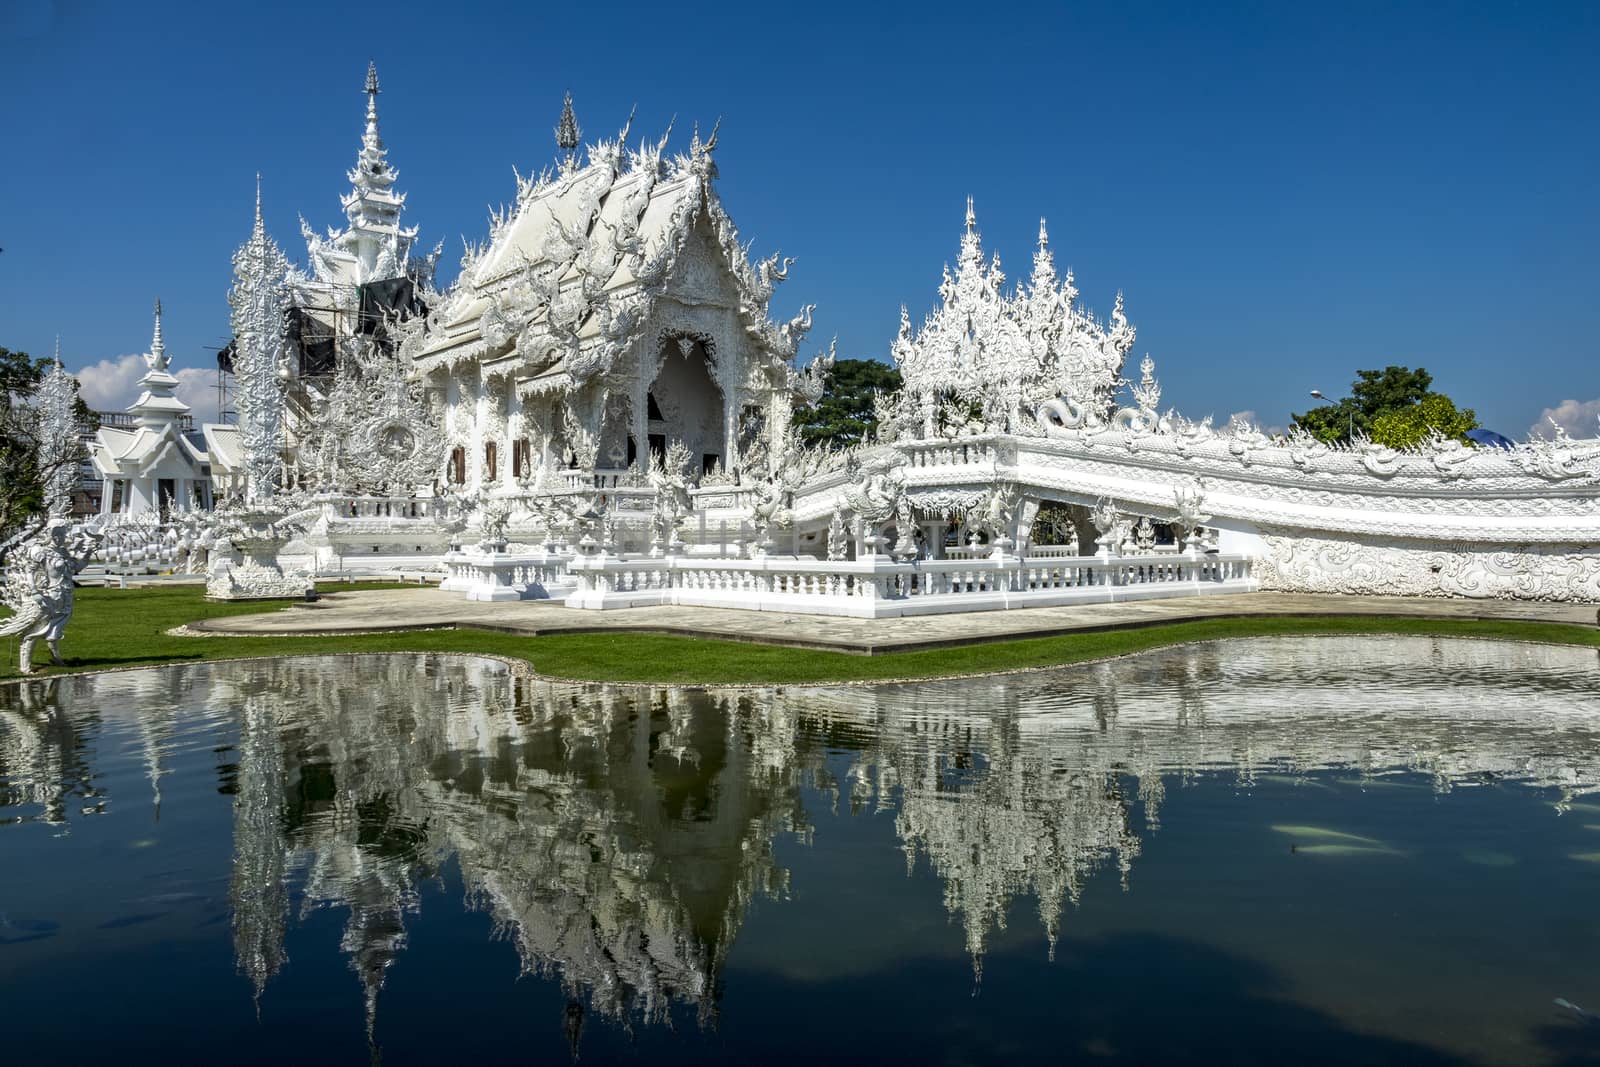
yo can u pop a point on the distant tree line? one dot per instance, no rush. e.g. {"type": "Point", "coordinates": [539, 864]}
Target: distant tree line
{"type": "Point", "coordinates": [845, 413]}
{"type": "Point", "coordinates": [21, 481]}
{"type": "Point", "coordinates": [1395, 406]}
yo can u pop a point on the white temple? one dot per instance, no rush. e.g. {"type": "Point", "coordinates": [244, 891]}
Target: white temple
{"type": "Point", "coordinates": [612, 311]}
{"type": "Point", "coordinates": [154, 462]}
{"type": "Point", "coordinates": [598, 409]}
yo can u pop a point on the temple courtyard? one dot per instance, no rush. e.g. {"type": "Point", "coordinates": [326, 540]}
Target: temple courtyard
{"type": "Point", "coordinates": [402, 609]}
{"type": "Point", "coordinates": [172, 622]}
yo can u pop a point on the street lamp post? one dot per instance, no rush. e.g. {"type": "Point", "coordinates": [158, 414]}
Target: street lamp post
{"type": "Point", "coordinates": [1318, 394]}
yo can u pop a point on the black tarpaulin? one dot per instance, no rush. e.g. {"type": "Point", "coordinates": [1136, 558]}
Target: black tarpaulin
{"type": "Point", "coordinates": [390, 297]}
{"type": "Point", "coordinates": [313, 340]}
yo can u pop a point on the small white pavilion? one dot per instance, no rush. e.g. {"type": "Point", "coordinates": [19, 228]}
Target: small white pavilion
{"type": "Point", "coordinates": [150, 459]}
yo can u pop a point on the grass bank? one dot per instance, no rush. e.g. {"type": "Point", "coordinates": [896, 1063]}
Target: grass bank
{"type": "Point", "coordinates": [117, 628]}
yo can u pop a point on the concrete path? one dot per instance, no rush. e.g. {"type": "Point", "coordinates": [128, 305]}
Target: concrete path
{"type": "Point", "coordinates": [414, 609]}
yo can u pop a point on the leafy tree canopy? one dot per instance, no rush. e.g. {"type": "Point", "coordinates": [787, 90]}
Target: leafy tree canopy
{"type": "Point", "coordinates": [1409, 426]}
{"type": "Point", "coordinates": [20, 374]}
{"type": "Point", "coordinates": [1393, 396]}
{"type": "Point", "coordinates": [844, 414]}
{"type": "Point", "coordinates": [21, 481]}
{"type": "Point", "coordinates": [23, 494]}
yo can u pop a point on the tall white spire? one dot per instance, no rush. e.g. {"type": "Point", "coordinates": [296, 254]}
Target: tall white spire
{"type": "Point", "coordinates": [374, 236]}
{"type": "Point", "coordinates": [57, 443]}
{"type": "Point", "coordinates": [157, 359]}
{"type": "Point", "coordinates": [258, 301]}
{"type": "Point", "coordinates": [371, 204]}
{"type": "Point", "coordinates": [156, 404]}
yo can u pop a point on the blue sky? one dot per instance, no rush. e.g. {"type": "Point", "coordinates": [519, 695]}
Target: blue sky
{"type": "Point", "coordinates": [1284, 192]}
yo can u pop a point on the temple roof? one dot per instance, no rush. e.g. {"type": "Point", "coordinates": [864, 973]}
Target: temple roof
{"type": "Point", "coordinates": [570, 273]}
{"type": "Point", "coordinates": [222, 445]}
{"type": "Point", "coordinates": [133, 453]}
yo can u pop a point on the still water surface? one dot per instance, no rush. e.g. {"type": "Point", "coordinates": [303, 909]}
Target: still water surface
{"type": "Point", "coordinates": [1295, 850]}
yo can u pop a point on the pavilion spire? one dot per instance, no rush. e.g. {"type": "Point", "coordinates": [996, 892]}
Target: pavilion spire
{"type": "Point", "coordinates": [372, 176]}
{"type": "Point", "coordinates": [371, 141]}
{"type": "Point", "coordinates": [971, 242]}
{"type": "Point", "coordinates": [158, 349]}
{"type": "Point", "coordinates": [373, 207]}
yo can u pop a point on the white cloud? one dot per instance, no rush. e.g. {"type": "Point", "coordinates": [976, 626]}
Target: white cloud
{"type": "Point", "coordinates": [110, 384]}
{"type": "Point", "coordinates": [113, 384]}
{"type": "Point", "coordinates": [1578, 418]}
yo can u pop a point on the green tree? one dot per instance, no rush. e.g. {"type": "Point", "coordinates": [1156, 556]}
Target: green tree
{"type": "Point", "coordinates": [21, 494]}
{"type": "Point", "coordinates": [844, 414]}
{"type": "Point", "coordinates": [21, 481]}
{"type": "Point", "coordinates": [1409, 426]}
{"type": "Point", "coordinates": [1374, 394]}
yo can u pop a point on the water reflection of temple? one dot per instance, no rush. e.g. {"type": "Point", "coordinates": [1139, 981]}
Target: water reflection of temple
{"type": "Point", "coordinates": [49, 728]}
{"type": "Point", "coordinates": [1025, 785]}
{"type": "Point", "coordinates": [616, 838]}
{"type": "Point", "coordinates": [618, 835]}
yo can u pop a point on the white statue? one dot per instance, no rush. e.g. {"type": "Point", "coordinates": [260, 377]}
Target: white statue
{"type": "Point", "coordinates": [838, 548]}
{"type": "Point", "coordinates": [1144, 534]}
{"type": "Point", "coordinates": [39, 584]}
{"type": "Point", "coordinates": [1191, 514]}
{"type": "Point", "coordinates": [1107, 523]}
{"type": "Point", "coordinates": [669, 477]}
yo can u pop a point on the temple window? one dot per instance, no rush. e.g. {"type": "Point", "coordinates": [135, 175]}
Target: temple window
{"type": "Point", "coordinates": [491, 455]}
{"type": "Point", "coordinates": [521, 457]}
{"type": "Point", "coordinates": [458, 465]}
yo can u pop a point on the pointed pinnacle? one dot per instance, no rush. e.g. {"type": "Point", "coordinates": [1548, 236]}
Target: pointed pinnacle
{"type": "Point", "coordinates": [1044, 238]}
{"type": "Point", "coordinates": [567, 132]}
{"type": "Point", "coordinates": [972, 219]}
{"type": "Point", "coordinates": [259, 228]}
{"type": "Point", "coordinates": [372, 78]}
{"type": "Point", "coordinates": [158, 347]}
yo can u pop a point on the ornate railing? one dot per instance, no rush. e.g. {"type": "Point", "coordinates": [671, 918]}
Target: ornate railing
{"type": "Point", "coordinates": [880, 587]}
{"type": "Point", "coordinates": [382, 507]}
{"type": "Point", "coordinates": [959, 451]}
{"type": "Point", "coordinates": [500, 575]}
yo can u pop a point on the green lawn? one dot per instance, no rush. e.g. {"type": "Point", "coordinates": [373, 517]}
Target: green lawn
{"type": "Point", "coordinates": [117, 628]}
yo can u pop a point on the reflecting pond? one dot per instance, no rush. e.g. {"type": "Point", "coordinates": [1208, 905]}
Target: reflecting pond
{"type": "Point", "coordinates": [1289, 850]}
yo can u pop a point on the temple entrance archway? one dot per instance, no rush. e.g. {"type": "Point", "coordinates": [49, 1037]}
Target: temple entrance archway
{"type": "Point", "coordinates": [684, 402]}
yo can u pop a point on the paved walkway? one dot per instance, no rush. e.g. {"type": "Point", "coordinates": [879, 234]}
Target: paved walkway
{"type": "Point", "coordinates": [412, 609]}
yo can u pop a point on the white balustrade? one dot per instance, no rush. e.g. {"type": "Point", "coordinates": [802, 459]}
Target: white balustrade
{"type": "Point", "coordinates": [381, 507]}
{"type": "Point", "coordinates": [488, 575]}
{"type": "Point", "coordinates": [882, 588]}
{"type": "Point", "coordinates": [948, 453]}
